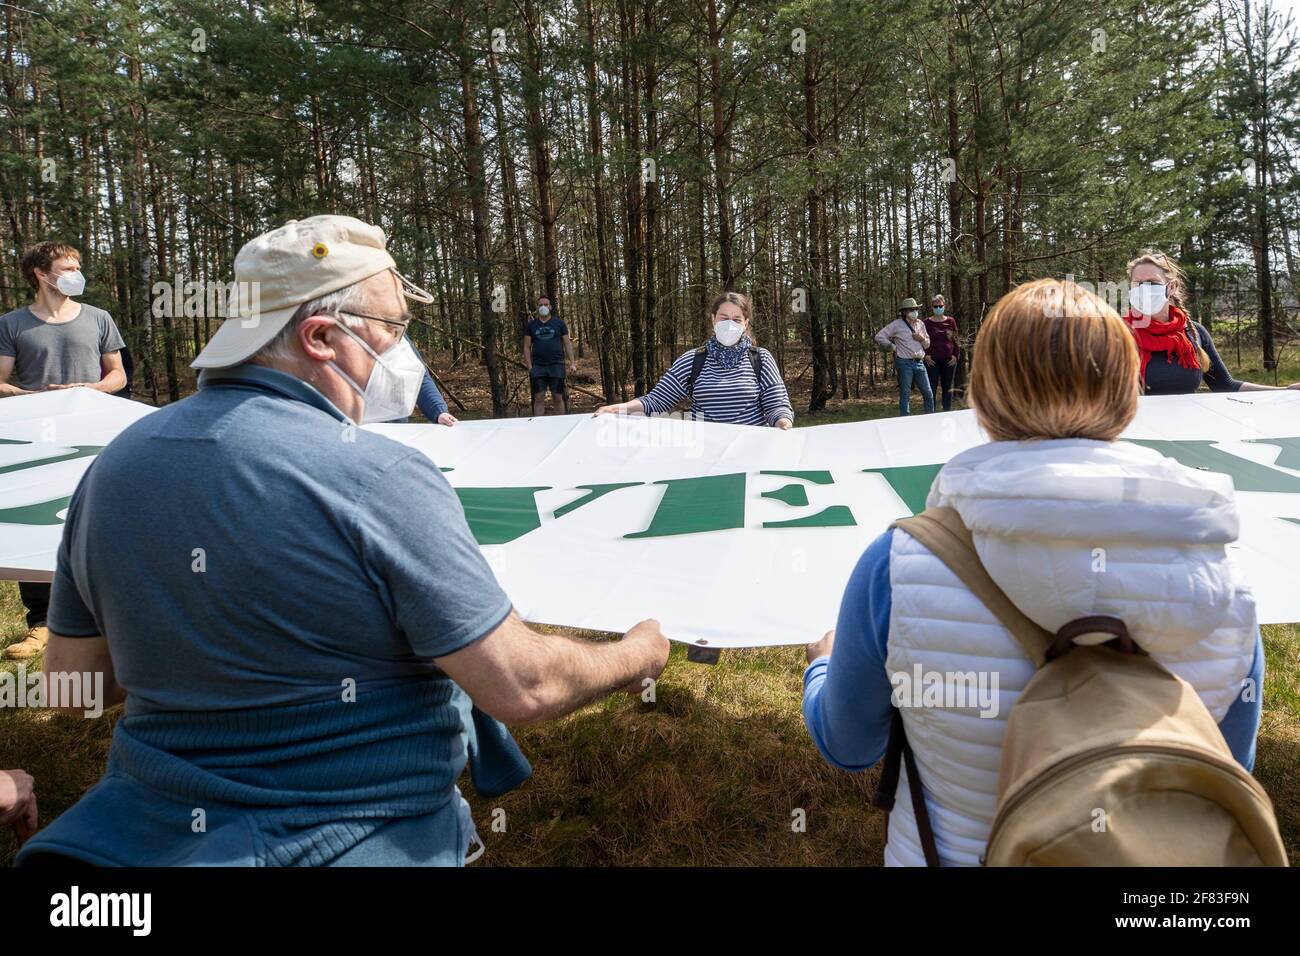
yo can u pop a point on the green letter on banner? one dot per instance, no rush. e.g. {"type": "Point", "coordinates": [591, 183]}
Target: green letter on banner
{"type": "Point", "coordinates": [499, 515]}
{"type": "Point", "coordinates": [592, 493]}
{"type": "Point", "coordinates": [43, 512]}
{"type": "Point", "coordinates": [1289, 457]}
{"type": "Point", "coordinates": [691, 505]}
{"type": "Point", "coordinates": [78, 451]}
{"type": "Point", "coordinates": [836, 516]}
{"type": "Point", "coordinates": [1246, 475]}
{"type": "Point", "coordinates": [910, 482]}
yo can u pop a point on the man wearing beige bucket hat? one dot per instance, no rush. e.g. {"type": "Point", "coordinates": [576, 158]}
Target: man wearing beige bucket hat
{"type": "Point", "coordinates": [288, 599]}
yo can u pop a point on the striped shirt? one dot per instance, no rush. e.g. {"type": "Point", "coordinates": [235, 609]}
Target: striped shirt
{"type": "Point", "coordinates": [733, 395]}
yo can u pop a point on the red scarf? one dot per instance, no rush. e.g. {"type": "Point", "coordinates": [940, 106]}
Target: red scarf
{"type": "Point", "coordinates": [1168, 336]}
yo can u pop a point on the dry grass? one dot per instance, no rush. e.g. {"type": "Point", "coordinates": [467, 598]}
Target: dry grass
{"type": "Point", "coordinates": [712, 773]}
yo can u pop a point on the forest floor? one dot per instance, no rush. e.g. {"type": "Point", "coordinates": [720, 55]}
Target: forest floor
{"type": "Point", "coordinates": [718, 771]}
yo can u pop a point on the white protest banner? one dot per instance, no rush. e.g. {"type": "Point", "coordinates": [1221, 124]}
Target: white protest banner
{"type": "Point", "coordinates": [732, 536]}
{"type": "Point", "coordinates": [47, 441]}
{"type": "Point", "coordinates": [736, 536]}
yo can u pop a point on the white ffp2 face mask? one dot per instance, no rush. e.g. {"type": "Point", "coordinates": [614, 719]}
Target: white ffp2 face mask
{"type": "Point", "coordinates": [394, 382]}
{"type": "Point", "coordinates": [1148, 298]}
{"type": "Point", "coordinates": [71, 283]}
{"type": "Point", "coordinates": [728, 332]}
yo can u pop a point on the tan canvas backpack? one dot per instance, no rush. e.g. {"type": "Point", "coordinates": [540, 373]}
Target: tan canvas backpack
{"type": "Point", "coordinates": [1108, 759]}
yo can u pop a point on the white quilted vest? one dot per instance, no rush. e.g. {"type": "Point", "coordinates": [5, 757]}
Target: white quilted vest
{"type": "Point", "coordinates": [1067, 528]}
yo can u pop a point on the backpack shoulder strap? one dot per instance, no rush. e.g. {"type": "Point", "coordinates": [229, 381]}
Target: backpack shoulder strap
{"type": "Point", "coordinates": [942, 531]}
{"type": "Point", "coordinates": [697, 366]}
{"type": "Point", "coordinates": [756, 360]}
{"type": "Point", "coordinates": [898, 752]}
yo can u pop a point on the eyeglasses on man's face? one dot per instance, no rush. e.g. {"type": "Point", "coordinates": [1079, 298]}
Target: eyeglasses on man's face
{"type": "Point", "coordinates": [396, 327]}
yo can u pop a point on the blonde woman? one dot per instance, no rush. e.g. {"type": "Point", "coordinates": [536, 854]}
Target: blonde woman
{"type": "Point", "coordinates": [1177, 354]}
{"type": "Point", "coordinates": [1054, 381]}
{"type": "Point", "coordinates": [728, 379]}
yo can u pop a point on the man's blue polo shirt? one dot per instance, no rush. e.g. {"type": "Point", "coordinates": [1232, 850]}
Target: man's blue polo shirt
{"type": "Point", "coordinates": [273, 583]}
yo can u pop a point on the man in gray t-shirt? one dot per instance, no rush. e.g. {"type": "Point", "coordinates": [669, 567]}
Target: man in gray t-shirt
{"type": "Point", "coordinates": [55, 342]}
{"type": "Point", "coordinates": [46, 353]}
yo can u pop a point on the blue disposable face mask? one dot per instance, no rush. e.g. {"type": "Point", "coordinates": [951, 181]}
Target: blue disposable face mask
{"type": "Point", "coordinates": [938, 310]}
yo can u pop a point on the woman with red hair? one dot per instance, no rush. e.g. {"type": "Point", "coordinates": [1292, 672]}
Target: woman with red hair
{"type": "Point", "coordinates": [1053, 383]}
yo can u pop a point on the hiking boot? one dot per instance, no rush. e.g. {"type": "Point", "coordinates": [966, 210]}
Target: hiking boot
{"type": "Point", "coordinates": [30, 646]}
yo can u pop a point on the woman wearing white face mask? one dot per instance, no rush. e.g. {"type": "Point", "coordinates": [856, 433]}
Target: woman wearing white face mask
{"type": "Point", "coordinates": [1177, 353]}
{"type": "Point", "coordinates": [908, 339]}
{"type": "Point", "coordinates": [728, 379]}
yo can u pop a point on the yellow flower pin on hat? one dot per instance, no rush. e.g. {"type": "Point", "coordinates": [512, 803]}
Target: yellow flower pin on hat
{"type": "Point", "coordinates": [320, 250]}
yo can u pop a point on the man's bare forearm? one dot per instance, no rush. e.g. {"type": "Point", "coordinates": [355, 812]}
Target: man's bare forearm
{"type": "Point", "coordinates": [114, 381]}
{"type": "Point", "coordinates": [578, 672]}
{"type": "Point", "coordinates": [521, 677]}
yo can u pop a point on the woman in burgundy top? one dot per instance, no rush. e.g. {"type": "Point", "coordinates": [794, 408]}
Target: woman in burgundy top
{"type": "Point", "coordinates": [944, 353]}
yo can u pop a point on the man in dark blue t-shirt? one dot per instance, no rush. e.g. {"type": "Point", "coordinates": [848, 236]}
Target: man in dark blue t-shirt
{"type": "Point", "coordinates": [546, 346]}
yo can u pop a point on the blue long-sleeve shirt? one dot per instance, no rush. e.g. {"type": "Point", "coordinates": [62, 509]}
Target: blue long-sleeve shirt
{"type": "Point", "coordinates": [847, 696]}
{"type": "Point", "coordinates": [430, 401]}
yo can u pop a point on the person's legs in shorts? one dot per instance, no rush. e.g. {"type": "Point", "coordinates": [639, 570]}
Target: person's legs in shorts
{"type": "Point", "coordinates": [559, 391]}
{"type": "Point", "coordinates": [537, 380]}
{"type": "Point", "coordinates": [544, 378]}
